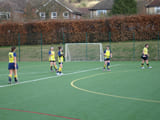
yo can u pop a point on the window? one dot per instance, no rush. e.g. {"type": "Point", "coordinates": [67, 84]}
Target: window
{"type": "Point", "coordinates": [42, 14]}
{"type": "Point", "coordinates": [157, 10]}
{"type": "Point", "coordinates": [74, 16]}
{"type": "Point", "coordinates": [79, 17]}
{"type": "Point", "coordinates": [66, 14]}
{"type": "Point", "coordinates": [53, 15]}
{"type": "Point", "coordinates": [101, 12]}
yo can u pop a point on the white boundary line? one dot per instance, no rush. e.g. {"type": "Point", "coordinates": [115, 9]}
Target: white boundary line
{"type": "Point", "coordinates": [40, 79]}
{"type": "Point", "coordinates": [19, 73]}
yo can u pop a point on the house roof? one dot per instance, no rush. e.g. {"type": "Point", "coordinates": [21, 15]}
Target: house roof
{"type": "Point", "coordinates": [154, 3]}
{"type": "Point", "coordinates": [103, 5]}
{"type": "Point", "coordinates": [69, 7]}
{"type": "Point", "coordinates": [19, 5]}
{"type": "Point", "coordinates": [66, 5]}
{"type": "Point", "coordinates": [12, 5]}
{"type": "Point", "coordinates": [5, 7]}
{"type": "Point", "coordinates": [84, 10]}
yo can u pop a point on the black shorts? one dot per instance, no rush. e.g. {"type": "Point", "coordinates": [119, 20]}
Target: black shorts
{"type": "Point", "coordinates": [60, 62]}
{"type": "Point", "coordinates": [52, 61]}
{"type": "Point", "coordinates": [106, 59]}
{"type": "Point", "coordinates": [144, 57]}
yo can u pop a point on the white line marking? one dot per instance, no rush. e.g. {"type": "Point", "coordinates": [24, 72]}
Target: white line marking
{"type": "Point", "coordinates": [35, 80]}
{"type": "Point", "coordinates": [19, 73]}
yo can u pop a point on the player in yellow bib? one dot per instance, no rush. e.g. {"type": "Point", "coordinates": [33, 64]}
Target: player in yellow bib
{"type": "Point", "coordinates": [107, 57]}
{"type": "Point", "coordinates": [52, 59]}
{"type": "Point", "coordinates": [145, 56]}
{"type": "Point", "coordinates": [60, 60]}
{"type": "Point", "coordinates": [12, 66]}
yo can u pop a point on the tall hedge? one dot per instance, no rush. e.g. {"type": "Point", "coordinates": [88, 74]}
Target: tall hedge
{"type": "Point", "coordinates": [121, 28]}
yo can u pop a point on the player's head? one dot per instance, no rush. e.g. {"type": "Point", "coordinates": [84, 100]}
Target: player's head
{"type": "Point", "coordinates": [60, 48]}
{"type": "Point", "coordinates": [107, 47]}
{"type": "Point", "coordinates": [52, 48]}
{"type": "Point", "coordinates": [13, 49]}
{"type": "Point", "coordinates": [146, 45]}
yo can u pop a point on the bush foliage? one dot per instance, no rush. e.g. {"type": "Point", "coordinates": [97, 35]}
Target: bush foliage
{"type": "Point", "coordinates": [118, 28]}
{"type": "Point", "coordinates": [124, 7]}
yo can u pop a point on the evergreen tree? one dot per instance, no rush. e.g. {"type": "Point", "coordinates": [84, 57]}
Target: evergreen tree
{"type": "Point", "coordinates": [126, 7]}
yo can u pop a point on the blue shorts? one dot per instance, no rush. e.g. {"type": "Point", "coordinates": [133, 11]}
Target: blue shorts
{"type": "Point", "coordinates": [11, 66]}
{"type": "Point", "coordinates": [106, 59]}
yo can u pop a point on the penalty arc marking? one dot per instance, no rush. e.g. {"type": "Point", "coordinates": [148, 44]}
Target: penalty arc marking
{"type": "Point", "coordinates": [109, 95]}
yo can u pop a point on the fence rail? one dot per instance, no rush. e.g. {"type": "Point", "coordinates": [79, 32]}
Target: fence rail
{"type": "Point", "coordinates": [35, 46]}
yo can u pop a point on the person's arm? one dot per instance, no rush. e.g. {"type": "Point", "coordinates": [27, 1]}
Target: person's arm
{"type": "Point", "coordinates": [104, 53]}
{"type": "Point", "coordinates": [62, 53]}
{"type": "Point", "coordinates": [49, 53]}
{"type": "Point", "coordinates": [15, 60]}
{"type": "Point", "coordinates": [143, 52]}
{"type": "Point", "coordinates": [111, 55]}
{"type": "Point", "coordinates": [59, 54]}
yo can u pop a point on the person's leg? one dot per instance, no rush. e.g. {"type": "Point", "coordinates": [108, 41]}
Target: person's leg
{"type": "Point", "coordinates": [51, 64]}
{"type": "Point", "coordinates": [10, 76]}
{"type": "Point", "coordinates": [60, 68]}
{"type": "Point", "coordinates": [147, 62]}
{"type": "Point", "coordinates": [108, 65]}
{"type": "Point", "coordinates": [105, 63]}
{"type": "Point", "coordinates": [15, 75]}
{"type": "Point", "coordinates": [55, 66]}
{"type": "Point", "coordinates": [142, 64]}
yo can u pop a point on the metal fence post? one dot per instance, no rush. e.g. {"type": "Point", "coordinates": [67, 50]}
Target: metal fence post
{"type": "Point", "coordinates": [158, 46]}
{"type": "Point", "coordinates": [110, 39]}
{"type": "Point", "coordinates": [19, 43]}
{"type": "Point", "coordinates": [41, 47]}
{"type": "Point", "coordinates": [63, 35]}
{"type": "Point", "coordinates": [86, 46]}
{"type": "Point", "coordinates": [63, 39]}
{"type": "Point", "coordinates": [133, 46]}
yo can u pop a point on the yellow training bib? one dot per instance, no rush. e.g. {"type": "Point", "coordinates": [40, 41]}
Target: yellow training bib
{"type": "Point", "coordinates": [145, 51]}
{"type": "Point", "coordinates": [11, 57]}
{"type": "Point", "coordinates": [107, 54]}
{"type": "Point", "coordinates": [52, 56]}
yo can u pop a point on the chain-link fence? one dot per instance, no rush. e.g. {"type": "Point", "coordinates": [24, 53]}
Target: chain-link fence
{"type": "Point", "coordinates": [35, 46]}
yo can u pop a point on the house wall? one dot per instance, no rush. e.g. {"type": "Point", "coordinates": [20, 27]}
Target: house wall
{"type": "Point", "coordinates": [5, 15]}
{"type": "Point", "coordinates": [55, 7]}
{"type": "Point", "coordinates": [18, 17]}
{"type": "Point", "coordinates": [141, 7]}
{"type": "Point", "coordinates": [93, 14]}
{"type": "Point", "coordinates": [152, 10]}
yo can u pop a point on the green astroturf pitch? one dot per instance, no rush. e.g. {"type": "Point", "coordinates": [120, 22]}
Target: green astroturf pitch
{"type": "Point", "coordinates": [84, 92]}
